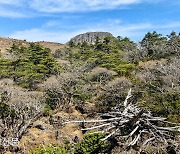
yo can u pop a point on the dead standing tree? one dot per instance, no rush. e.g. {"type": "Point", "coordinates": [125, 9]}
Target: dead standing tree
{"type": "Point", "coordinates": [133, 125]}
{"type": "Point", "coordinates": [17, 117]}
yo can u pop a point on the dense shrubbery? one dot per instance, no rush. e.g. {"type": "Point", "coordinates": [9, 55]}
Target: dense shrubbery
{"type": "Point", "coordinates": [68, 88]}
{"type": "Point", "coordinates": [100, 74]}
{"type": "Point", "coordinates": [5, 67]}
{"type": "Point", "coordinates": [113, 93]}
{"type": "Point", "coordinates": [163, 104]}
{"type": "Point", "coordinates": [122, 56]}
{"type": "Point", "coordinates": [109, 54]}
{"type": "Point", "coordinates": [91, 144]}
{"type": "Point", "coordinates": [157, 46]}
{"type": "Point", "coordinates": [158, 89]}
{"type": "Point", "coordinates": [49, 150]}
{"type": "Point", "coordinates": [5, 110]}
{"type": "Point", "coordinates": [31, 66]}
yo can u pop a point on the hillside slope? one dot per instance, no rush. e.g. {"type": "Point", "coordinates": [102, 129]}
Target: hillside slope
{"type": "Point", "coordinates": [6, 43]}
{"type": "Point", "coordinates": [44, 93]}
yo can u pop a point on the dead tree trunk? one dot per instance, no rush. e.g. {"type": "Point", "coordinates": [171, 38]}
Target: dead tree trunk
{"type": "Point", "coordinates": [134, 125]}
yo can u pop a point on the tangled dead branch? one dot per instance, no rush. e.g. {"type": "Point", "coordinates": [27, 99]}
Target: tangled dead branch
{"type": "Point", "coordinates": [134, 125]}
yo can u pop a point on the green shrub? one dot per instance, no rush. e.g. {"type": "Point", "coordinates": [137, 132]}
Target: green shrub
{"type": "Point", "coordinates": [109, 54]}
{"type": "Point", "coordinates": [5, 68]}
{"type": "Point", "coordinates": [81, 94]}
{"type": "Point", "coordinates": [124, 69]}
{"type": "Point", "coordinates": [163, 104]}
{"type": "Point", "coordinates": [57, 54]}
{"type": "Point", "coordinates": [5, 110]}
{"type": "Point", "coordinates": [91, 144]}
{"type": "Point", "coordinates": [53, 97]}
{"type": "Point", "coordinates": [33, 65]}
{"type": "Point", "coordinates": [47, 110]}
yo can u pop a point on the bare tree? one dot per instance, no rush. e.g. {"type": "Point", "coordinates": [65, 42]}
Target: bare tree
{"type": "Point", "coordinates": [21, 108]}
{"type": "Point", "coordinates": [166, 71]}
{"type": "Point", "coordinates": [112, 93]}
{"type": "Point", "coordinates": [170, 73]}
{"type": "Point", "coordinates": [100, 74]}
{"type": "Point", "coordinates": [61, 90]}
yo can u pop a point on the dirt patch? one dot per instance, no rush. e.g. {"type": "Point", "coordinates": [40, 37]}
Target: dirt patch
{"type": "Point", "coordinates": [52, 134]}
{"type": "Point", "coordinates": [52, 45]}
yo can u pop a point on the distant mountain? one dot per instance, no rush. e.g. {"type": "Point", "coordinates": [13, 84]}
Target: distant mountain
{"type": "Point", "coordinates": [90, 37]}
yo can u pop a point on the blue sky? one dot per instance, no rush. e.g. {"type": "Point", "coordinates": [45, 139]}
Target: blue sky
{"type": "Point", "coordinates": [59, 20]}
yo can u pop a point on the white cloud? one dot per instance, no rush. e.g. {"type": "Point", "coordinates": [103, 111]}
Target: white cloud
{"type": "Point", "coordinates": [133, 31]}
{"type": "Point", "coordinates": [10, 13]}
{"type": "Point", "coordinates": [13, 2]}
{"type": "Point", "coordinates": [43, 35]}
{"type": "Point", "coordinates": [56, 6]}
{"type": "Point", "coordinates": [113, 26]}
{"type": "Point", "coordinates": [78, 5]}
{"type": "Point", "coordinates": [9, 1]}
{"type": "Point", "coordinates": [13, 8]}
{"type": "Point", "coordinates": [171, 25]}
{"type": "Point", "coordinates": [116, 27]}
{"type": "Point", "coordinates": [48, 7]}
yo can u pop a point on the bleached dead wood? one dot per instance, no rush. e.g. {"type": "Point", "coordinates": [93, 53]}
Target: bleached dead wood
{"type": "Point", "coordinates": [94, 121]}
{"type": "Point", "coordinates": [133, 123]}
{"type": "Point", "coordinates": [95, 127]}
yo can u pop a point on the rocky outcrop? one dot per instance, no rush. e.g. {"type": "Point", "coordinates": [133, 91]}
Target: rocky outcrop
{"type": "Point", "coordinates": [90, 37]}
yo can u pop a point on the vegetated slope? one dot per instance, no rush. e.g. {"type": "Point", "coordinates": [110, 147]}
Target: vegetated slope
{"type": "Point", "coordinates": [53, 46]}
{"type": "Point", "coordinates": [6, 44]}
{"type": "Point", "coordinates": [81, 80]}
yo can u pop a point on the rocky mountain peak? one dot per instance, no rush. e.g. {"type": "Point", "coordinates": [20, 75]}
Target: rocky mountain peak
{"type": "Point", "coordinates": [90, 37]}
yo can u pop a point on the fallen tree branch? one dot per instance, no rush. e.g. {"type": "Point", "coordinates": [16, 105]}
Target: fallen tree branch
{"type": "Point", "coordinates": [129, 121]}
